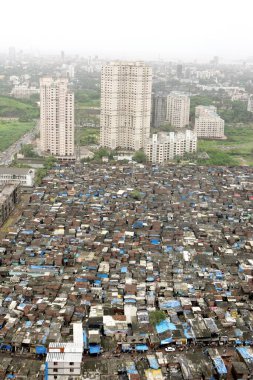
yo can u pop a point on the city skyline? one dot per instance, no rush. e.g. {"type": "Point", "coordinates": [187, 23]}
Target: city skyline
{"type": "Point", "coordinates": [185, 30]}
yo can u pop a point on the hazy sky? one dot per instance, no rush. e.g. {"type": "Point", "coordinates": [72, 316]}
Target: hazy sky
{"type": "Point", "coordinates": [171, 29]}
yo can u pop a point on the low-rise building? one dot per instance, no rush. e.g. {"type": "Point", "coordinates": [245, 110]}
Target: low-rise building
{"type": "Point", "coordinates": [23, 91]}
{"type": "Point", "coordinates": [208, 124]}
{"type": "Point", "coordinates": [164, 146]}
{"type": "Point", "coordinates": [22, 176]}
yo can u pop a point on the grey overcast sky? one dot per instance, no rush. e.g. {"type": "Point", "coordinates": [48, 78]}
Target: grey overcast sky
{"type": "Point", "coordinates": [169, 29]}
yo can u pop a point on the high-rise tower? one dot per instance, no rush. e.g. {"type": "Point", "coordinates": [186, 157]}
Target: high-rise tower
{"type": "Point", "coordinates": [125, 105]}
{"type": "Point", "coordinates": [56, 118]}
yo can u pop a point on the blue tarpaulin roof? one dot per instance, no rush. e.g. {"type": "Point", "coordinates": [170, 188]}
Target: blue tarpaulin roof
{"type": "Point", "coordinates": [166, 341]}
{"type": "Point", "coordinates": [40, 350]}
{"type": "Point", "coordinates": [102, 275]}
{"type": "Point", "coordinates": [141, 347]}
{"type": "Point", "coordinates": [245, 353]}
{"type": "Point", "coordinates": [94, 349]}
{"type": "Point", "coordinates": [170, 304]}
{"type": "Point", "coordinates": [153, 363]}
{"type": "Point", "coordinates": [85, 339]}
{"type": "Point", "coordinates": [165, 326]}
{"type": "Point", "coordinates": [131, 369]}
{"type": "Point", "coordinates": [138, 224]}
{"type": "Point", "coordinates": [27, 232]}
{"type": "Point", "coordinates": [220, 365]}
{"type": "Point", "coordinates": [155, 241]}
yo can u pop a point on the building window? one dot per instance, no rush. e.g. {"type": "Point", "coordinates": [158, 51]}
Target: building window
{"type": "Point", "coordinates": [71, 363]}
{"type": "Point", "coordinates": [55, 363]}
{"type": "Point", "coordinates": [55, 370]}
{"type": "Point", "coordinates": [71, 370]}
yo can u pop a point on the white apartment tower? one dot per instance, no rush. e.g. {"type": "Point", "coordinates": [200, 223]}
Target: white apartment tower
{"type": "Point", "coordinates": [164, 146]}
{"type": "Point", "coordinates": [125, 105]}
{"type": "Point", "coordinates": [56, 118]}
{"type": "Point", "coordinates": [250, 103]}
{"type": "Point", "coordinates": [208, 124]}
{"type": "Point", "coordinates": [178, 109]}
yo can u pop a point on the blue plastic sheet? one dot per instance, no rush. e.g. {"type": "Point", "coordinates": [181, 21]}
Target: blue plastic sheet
{"type": "Point", "coordinates": [165, 326]}
{"type": "Point", "coordinates": [94, 349]}
{"type": "Point", "coordinates": [220, 366]}
{"type": "Point", "coordinates": [153, 363]}
{"type": "Point", "coordinates": [40, 350]}
{"type": "Point", "coordinates": [141, 347]}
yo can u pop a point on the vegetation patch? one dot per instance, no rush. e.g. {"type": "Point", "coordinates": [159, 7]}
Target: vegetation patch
{"type": "Point", "coordinates": [236, 150]}
{"type": "Point", "coordinates": [87, 136]}
{"type": "Point", "coordinates": [23, 110]}
{"type": "Point", "coordinates": [11, 131]}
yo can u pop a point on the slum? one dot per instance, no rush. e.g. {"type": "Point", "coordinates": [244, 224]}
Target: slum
{"type": "Point", "coordinates": [157, 263]}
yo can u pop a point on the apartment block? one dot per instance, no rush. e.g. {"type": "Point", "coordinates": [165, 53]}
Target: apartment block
{"type": "Point", "coordinates": [178, 109]}
{"type": "Point", "coordinates": [9, 197]}
{"type": "Point", "coordinates": [250, 103]}
{"type": "Point", "coordinates": [125, 105]}
{"type": "Point", "coordinates": [23, 176]}
{"type": "Point", "coordinates": [64, 360]}
{"type": "Point", "coordinates": [56, 118]}
{"type": "Point", "coordinates": [163, 146]}
{"type": "Point", "coordinates": [159, 110]}
{"type": "Point", "coordinates": [23, 91]}
{"type": "Point", "coordinates": [208, 124]}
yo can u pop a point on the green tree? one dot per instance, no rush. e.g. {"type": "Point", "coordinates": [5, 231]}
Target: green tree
{"type": "Point", "coordinates": [156, 317]}
{"type": "Point", "coordinates": [27, 151]}
{"type": "Point", "coordinates": [135, 194]}
{"type": "Point", "coordinates": [140, 157]}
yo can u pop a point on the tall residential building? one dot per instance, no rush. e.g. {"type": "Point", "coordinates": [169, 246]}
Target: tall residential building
{"type": "Point", "coordinates": [56, 118]}
{"type": "Point", "coordinates": [208, 124]}
{"type": "Point", "coordinates": [179, 71]}
{"type": "Point", "coordinates": [125, 105]}
{"type": "Point", "coordinates": [164, 146]}
{"type": "Point", "coordinates": [178, 109]}
{"type": "Point", "coordinates": [250, 103]}
{"type": "Point", "coordinates": [159, 109]}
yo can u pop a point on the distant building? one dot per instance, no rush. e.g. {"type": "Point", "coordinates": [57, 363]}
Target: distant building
{"type": "Point", "coordinates": [159, 110]}
{"type": "Point", "coordinates": [179, 71]}
{"type": "Point", "coordinates": [23, 176]}
{"type": "Point", "coordinates": [9, 197]}
{"type": "Point", "coordinates": [57, 118]}
{"type": "Point", "coordinates": [64, 360]}
{"type": "Point", "coordinates": [125, 105]}
{"type": "Point", "coordinates": [23, 91]}
{"type": "Point", "coordinates": [164, 146]}
{"type": "Point", "coordinates": [12, 53]}
{"type": "Point", "coordinates": [208, 124]}
{"type": "Point", "coordinates": [178, 109]}
{"type": "Point", "coordinates": [250, 104]}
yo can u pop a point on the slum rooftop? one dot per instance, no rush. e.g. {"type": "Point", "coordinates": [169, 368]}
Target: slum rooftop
{"type": "Point", "coordinates": [107, 245]}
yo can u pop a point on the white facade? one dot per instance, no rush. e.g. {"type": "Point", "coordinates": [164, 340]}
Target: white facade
{"type": "Point", "coordinates": [56, 118]}
{"type": "Point", "coordinates": [64, 359]}
{"type": "Point", "coordinates": [208, 124]}
{"type": "Point", "coordinates": [24, 177]}
{"type": "Point", "coordinates": [178, 109]}
{"type": "Point", "coordinates": [250, 104]}
{"type": "Point", "coordinates": [125, 105]}
{"type": "Point", "coordinates": [166, 146]}
{"type": "Point", "coordinates": [24, 91]}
